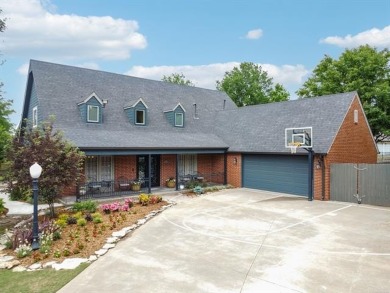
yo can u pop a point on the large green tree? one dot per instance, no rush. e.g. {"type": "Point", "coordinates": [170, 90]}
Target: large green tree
{"type": "Point", "coordinates": [5, 111]}
{"type": "Point", "coordinates": [61, 162]}
{"type": "Point", "coordinates": [364, 69]}
{"type": "Point", "coordinates": [177, 78]}
{"type": "Point", "coordinates": [249, 84]}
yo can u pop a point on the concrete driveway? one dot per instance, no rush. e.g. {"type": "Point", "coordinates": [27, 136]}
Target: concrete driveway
{"type": "Point", "coordinates": [243, 240]}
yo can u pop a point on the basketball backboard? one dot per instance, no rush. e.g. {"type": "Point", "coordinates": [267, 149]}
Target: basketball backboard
{"type": "Point", "coordinates": [299, 137]}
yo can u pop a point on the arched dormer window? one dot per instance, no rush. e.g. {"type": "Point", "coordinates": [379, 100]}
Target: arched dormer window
{"type": "Point", "coordinates": [91, 109]}
{"type": "Point", "coordinates": [176, 116]}
{"type": "Point", "coordinates": [137, 113]}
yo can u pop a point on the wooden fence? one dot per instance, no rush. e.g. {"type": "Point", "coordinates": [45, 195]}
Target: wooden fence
{"type": "Point", "coordinates": [369, 183]}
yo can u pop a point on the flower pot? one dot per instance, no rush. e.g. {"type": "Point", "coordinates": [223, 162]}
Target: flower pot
{"type": "Point", "coordinates": [135, 187]}
{"type": "Point", "coordinates": [171, 184]}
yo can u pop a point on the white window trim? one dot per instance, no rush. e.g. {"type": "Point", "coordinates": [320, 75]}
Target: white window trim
{"type": "Point", "coordinates": [35, 116]}
{"type": "Point", "coordinates": [182, 120]}
{"type": "Point", "coordinates": [89, 120]}
{"type": "Point", "coordinates": [135, 118]}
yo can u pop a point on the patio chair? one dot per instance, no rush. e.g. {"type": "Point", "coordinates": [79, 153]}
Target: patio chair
{"type": "Point", "coordinates": [123, 183]}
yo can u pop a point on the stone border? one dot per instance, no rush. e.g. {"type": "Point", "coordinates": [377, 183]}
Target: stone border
{"type": "Point", "coordinates": [9, 262]}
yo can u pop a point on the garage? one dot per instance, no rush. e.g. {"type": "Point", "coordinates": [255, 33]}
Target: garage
{"type": "Point", "coordinates": [287, 174]}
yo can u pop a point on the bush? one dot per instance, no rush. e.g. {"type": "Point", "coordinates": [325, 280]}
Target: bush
{"type": "Point", "coordinates": [88, 217]}
{"type": "Point", "coordinates": [2, 206]}
{"type": "Point", "coordinates": [81, 222]}
{"type": "Point", "coordinates": [20, 194]}
{"type": "Point", "coordinates": [143, 199]}
{"type": "Point", "coordinates": [85, 206]}
{"type": "Point", "coordinates": [62, 222]}
{"type": "Point", "coordinates": [71, 220]}
{"type": "Point", "coordinates": [153, 199]}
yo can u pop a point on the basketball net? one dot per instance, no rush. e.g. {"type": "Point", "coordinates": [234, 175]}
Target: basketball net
{"type": "Point", "coordinates": [293, 147]}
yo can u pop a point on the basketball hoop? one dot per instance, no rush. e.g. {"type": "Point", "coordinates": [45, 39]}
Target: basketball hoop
{"type": "Point", "coordinates": [293, 146]}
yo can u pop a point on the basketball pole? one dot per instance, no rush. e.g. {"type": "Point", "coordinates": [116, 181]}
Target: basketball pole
{"type": "Point", "coordinates": [310, 183]}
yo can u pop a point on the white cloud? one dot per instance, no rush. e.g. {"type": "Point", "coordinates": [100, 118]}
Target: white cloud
{"type": "Point", "coordinates": [254, 34]}
{"type": "Point", "coordinates": [374, 37]}
{"type": "Point", "coordinates": [23, 70]}
{"type": "Point", "coordinates": [206, 75]}
{"type": "Point", "coordinates": [34, 30]}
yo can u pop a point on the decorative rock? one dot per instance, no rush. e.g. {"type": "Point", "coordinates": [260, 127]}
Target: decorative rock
{"type": "Point", "coordinates": [35, 266]}
{"type": "Point", "coordinates": [126, 230]}
{"type": "Point", "coordinates": [49, 264]}
{"type": "Point", "coordinates": [119, 234]}
{"type": "Point", "coordinates": [19, 269]}
{"type": "Point", "coordinates": [5, 258]}
{"type": "Point", "coordinates": [112, 240]}
{"type": "Point", "coordinates": [101, 252]}
{"type": "Point", "coordinates": [132, 227]}
{"type": "Point", "coordinates": [108, 246]}
{"type": "Point", "coordinates": [9, 264]}
{"type": "Point", "coordinates": [141, 222]}
{"type": "Point", "coordinates": [92, 258]}
{"type": "Point", "coordinates": [69, 264]}
{"type": "Point", "coordinates": [2, 247]}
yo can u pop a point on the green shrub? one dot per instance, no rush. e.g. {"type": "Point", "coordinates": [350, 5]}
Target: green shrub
{"type": "Point", "coordinates": [97, 220]}
{"type": "Point", "coordinates": [85, 206]}
{"type": "Point", "coordinates": [20, 194]}
{"type": "Point", "coordinates": [81, 222]}
{"type": "Point", "coordinates": [62, 222]}
{"type": "Point", "coordinates": [2, 206]}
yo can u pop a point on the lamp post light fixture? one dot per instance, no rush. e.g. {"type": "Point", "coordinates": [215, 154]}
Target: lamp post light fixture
{"type": "Point", "coordinates": [35, 172]}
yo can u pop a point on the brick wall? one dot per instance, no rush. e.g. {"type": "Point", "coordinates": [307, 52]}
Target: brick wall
{"type": "Point", "coordinates": [211, 166]}
{"type": "Point", "coordinates": [353, 144]}
{"type": "Point", "coordinates": [167, 168]}
{"type": "Point", "coordinates": [125, 167]}
{"type": "Point", "coordinates": [234, 165]}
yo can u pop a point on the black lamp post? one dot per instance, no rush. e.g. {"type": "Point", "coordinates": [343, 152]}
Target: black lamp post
{"type": "Point", "coordinates": [35, 172]}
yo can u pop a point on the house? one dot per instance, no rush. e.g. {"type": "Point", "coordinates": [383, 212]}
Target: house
{"type": "Point", "coordinates": [384, 150]}
{"type": "Point", "coordinates": [136, 128]}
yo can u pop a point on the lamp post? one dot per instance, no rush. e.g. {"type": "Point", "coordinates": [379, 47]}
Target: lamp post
{"type": "Point", "coordinates": [35, 172]}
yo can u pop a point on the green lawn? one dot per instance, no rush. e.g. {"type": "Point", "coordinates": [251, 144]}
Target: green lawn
{"type": "Point", "coordinates": [43, 281]}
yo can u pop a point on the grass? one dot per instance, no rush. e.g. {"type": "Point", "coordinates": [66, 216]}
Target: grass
{"type": "Point", "coordinates": [43, 281]}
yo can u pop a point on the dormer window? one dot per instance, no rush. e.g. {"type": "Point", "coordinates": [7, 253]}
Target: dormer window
{"type": "Point", "coordinates": [91, 109]}
{"type": "Point", "coordinates": [93, 114]}
{"type": "Point", "coordinates": [137, 113]}
{"type": "Point", "coordinates": [176, 116]}
{"type": "Point", "coordinates": [140, 117]}
{"type": "Point", "coordinates": [179, 119]}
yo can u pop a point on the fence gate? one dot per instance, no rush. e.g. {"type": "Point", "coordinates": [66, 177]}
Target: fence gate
{"type": "Point", "coordinates": [368, 182]}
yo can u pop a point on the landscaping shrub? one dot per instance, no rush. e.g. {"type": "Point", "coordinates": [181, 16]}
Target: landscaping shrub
{"type": "Point", "coordinates": [143, 199]}
{"type": "Point", "coordinates": [88, 217]}
{"type": "Point", "coordinates": [81, 222]}
{"type": "Point", "coordinates": [2, 206]}
{"type": "Point", "coordinates": [85, 206]}
{"type": "Point", "coordinates": [20, 194]}
{"type": "Point", "coordinates": [71, 220]}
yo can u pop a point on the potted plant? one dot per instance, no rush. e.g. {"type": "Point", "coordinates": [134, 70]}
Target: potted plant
{"type": "Point", "coordinates": [136, 185]}
{"type": "Point", "coordinates": [171, 182]}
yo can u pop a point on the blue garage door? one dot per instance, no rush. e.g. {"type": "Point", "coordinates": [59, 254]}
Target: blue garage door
{"type": "Point", "coordinates": [287, 174]}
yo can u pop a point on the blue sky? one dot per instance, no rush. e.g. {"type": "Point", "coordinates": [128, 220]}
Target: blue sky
{"type": "Point", "coordinates": [200, 38]}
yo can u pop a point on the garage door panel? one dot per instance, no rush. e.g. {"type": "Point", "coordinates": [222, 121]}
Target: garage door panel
{"type": "Point", "coordinates": [288, 174]}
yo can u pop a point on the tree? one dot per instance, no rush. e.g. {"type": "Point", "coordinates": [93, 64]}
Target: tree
{"type": "Point", "coordinates": [250, 85]}
{"type": "Point", "coordinates": [364, 69]}
{"type": "Point", "coordinates": [177, 78]}
{"type": "Point", "coordinates": [5, 111]}
{"type": "Point", "coordinates": [62, 163]}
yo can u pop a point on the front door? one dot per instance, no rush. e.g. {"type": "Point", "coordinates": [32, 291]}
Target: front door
{"type": "Point", "coordinates": [143, 168]}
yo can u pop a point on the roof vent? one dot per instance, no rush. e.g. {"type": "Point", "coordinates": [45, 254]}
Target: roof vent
{"type": "Point", "coordinates": [195, 112]}
{"type": "Point", "coordinates": [224, 104]}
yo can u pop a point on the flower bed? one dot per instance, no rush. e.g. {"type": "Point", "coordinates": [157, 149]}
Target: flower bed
{"type": "Point", "coordinates": [78, 233]}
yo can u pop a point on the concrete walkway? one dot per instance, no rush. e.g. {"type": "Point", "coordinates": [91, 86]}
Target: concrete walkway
{"type": "Point", "coordinates": [243, 240]}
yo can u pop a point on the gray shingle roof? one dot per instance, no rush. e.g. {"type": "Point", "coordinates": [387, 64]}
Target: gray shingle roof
{"type": "Point", "coordinates": [60, 88]}
{"type": "Point", "coordinates": [261, 128]}
{"type": "Point", "coordinates": [248, 129]}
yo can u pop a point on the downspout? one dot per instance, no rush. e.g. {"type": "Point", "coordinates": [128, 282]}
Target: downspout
{"type": "Point", "coordinates": [323, 176]}
{"type": "Point", "coordinates": [225, 169]}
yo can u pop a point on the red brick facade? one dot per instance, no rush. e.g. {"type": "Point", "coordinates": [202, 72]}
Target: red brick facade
{"type": "Point", "coordinates": [125, 167]}
{"type": "Point", "coordinates": [353, 144]}
{"type": "Point", "coordinates": [234, 173]}
{"type": "Point", "coordinates": [212, 167]}
{"type": "Point", "coordinates": [167, 168]}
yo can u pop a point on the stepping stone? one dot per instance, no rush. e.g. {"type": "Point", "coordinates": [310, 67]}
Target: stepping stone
{"type": "Point", "coordinates": [69, 264]}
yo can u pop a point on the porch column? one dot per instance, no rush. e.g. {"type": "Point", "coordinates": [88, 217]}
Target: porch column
{"type": "Point", "coordinates": [149, 173]}
{"type": "Point", "coordinates": [177, 172]}
{"type": "Point", "coordinates": [310, 183]}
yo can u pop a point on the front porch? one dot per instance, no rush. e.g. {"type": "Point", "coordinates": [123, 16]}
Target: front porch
{"type": "Point", "coordinates": [129, 175]}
